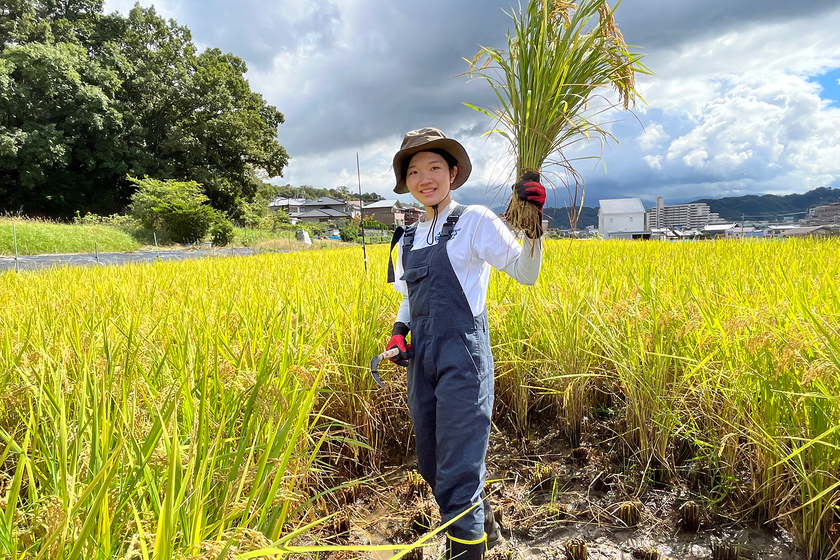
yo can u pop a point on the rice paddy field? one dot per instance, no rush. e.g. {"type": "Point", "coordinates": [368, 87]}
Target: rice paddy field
{"type": "Point", "coordinates": [222, 408]}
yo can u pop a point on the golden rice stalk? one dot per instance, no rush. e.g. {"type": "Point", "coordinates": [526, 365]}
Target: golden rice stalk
{"type": "Point", "coordinates": [556, 63]}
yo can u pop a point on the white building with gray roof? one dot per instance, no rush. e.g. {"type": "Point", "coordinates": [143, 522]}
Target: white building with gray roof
{"type": "Point", "coordinates": [621, 218]}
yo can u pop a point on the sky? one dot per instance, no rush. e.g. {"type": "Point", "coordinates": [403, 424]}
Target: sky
{"type": "Point", "coordinates": [744, 96]}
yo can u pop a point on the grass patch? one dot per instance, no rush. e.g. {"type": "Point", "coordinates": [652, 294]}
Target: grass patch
{"type": "Point", "coordinates": [36, 237]}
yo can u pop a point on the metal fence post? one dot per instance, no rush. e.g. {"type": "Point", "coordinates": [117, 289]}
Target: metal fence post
{"type": "Point", "coordinates": [14, 235]}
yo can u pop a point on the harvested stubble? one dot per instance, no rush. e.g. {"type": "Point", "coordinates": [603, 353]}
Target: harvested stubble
{"type": "Point", "coordinates": [576, 549]}
{"type": "Point", "coordinates": [649, 554]}
{"type": "Point", "coordinates": [630, 512]}
{"type": "Point", "coordinates": [690, 515]}
{"type": "Point", "coordinates": [724, 550]}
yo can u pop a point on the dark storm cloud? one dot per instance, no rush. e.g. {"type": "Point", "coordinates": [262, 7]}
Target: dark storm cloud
{"type": "Point", "coordinates": [380, 68]}
{"type": "Point", "coordinates": [257, 30]}
{"type": "Point", "coordinates": [396, 69]}
{"type": "Point", "coordinates": [655, 24]}
{"type": "Point", "coordinates": [404, 73]}
{"type": "Point", "coordinates": [354, 75]}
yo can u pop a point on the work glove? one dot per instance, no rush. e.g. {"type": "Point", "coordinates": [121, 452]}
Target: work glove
{"type": "Point", "coordinates": [398, 335]}
{"type": "Point", "coordinates": [530, 189]}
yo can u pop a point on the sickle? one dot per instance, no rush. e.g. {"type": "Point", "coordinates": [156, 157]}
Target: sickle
{"type": "Point", "coordinates": [374, 363]}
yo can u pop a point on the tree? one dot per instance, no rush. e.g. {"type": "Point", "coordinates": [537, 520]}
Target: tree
{"type": "Point", "coordinates": [57, 128]}
{"type": "Point", "coordinates": [88, 99]}
{"type": "Point", "coordinates": [227, 132]}
{"type": "Point", "coordinates": [310, 192]}
{"type": "Point", "coordinates": [68, 9]}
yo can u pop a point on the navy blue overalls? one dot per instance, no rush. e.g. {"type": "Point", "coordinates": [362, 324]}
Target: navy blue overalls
{"type": "Point", "coordinates": [450, 383]}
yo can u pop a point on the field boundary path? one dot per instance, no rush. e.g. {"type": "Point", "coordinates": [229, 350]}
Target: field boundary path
{"type": "Point", "coordinates": [38, 262]}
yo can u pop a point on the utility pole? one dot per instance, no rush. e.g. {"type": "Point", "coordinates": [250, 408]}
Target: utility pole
{"type": "Point", "coordinates": [361, 209]}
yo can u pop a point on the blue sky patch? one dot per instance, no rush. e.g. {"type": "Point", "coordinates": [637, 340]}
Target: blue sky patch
{"type": "Point", "coordinates": [830, 85]}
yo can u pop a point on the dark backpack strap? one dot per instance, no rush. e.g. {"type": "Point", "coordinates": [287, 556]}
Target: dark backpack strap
{"type": "Point", "coordinates": [451, 220]}
{"type": "Point", "coordinates": [394, 240]}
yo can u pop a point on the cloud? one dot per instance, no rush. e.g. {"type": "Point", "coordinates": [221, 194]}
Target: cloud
{"type": "Point", "coordinates": [654, 161]}
{"type": "Point", "coordinates": [743, 114]}
{"type": "Point", "coordinates": [652, 137]}
{"type": "Point", "coordinates": [734, 106]}
{"type": "Point", "coordinates": [663, 24]}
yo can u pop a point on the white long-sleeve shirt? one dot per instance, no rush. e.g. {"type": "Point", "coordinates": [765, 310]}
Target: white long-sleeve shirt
{"type": "Point", "coordinates": [479, 240]}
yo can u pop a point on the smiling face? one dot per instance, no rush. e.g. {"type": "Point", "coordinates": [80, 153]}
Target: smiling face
{"type": "Point", "coordinates": [429, 179]}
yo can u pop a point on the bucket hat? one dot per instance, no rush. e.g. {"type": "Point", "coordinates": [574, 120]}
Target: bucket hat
{"type": "Point", "coordinates": [426, 139]}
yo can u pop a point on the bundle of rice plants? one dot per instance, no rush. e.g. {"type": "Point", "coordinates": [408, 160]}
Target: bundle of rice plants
{"type": "Point", "coordinates": [557, 62]}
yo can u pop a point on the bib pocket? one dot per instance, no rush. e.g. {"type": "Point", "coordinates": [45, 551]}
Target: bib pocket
{"type": "Point", "coordinates": [415, 274]}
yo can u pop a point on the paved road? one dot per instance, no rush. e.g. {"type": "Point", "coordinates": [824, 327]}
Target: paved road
{"type": "Point", "coordinates": [35, 262]}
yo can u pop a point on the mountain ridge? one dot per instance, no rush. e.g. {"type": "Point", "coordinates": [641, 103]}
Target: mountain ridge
{"type": "Point", "coordinates": [750, 207]}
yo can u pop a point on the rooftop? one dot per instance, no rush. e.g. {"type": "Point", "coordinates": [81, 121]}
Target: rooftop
{"type": "Point", "coordinates": [324, 201]}
{"type": "Point", "coordinates": [719, 227]}
{"type": "Point", "coordinates": [281, 201]}
{"type": "Point", "coordinates": [384, 204]}
{"type": "Point", "coordinates": [323, 213]}
{"type": "Point", "coordinates": [621, 206]}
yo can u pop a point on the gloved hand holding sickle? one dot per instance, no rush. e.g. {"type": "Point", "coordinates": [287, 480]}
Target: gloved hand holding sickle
{"type": "Point", "coordinates": [397, 350]}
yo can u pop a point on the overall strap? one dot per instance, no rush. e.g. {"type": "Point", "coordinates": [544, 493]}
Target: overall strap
{"type": "Point", "coordinates": [398, 233]}
{"type": "Point", "coordinates": [408, 240]}
{"type": "Point", "coordinates": [451, 220]}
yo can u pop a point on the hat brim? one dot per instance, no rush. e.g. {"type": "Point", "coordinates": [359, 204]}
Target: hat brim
{"type": "Point", "coordinates": [451, 146]}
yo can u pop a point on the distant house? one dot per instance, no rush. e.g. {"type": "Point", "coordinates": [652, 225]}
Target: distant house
{"type": "Point", "coordinates": [412, 215]}
{"type": "Point", "coordinates": [386, 211]}
{"type": "Point", "coordinates": [355, 208]}
{"type": "Point", "coordinates": [811, 231]}
{"type": "Point", "coordinates": [777, 230]}
{"type": "Point", "coordinates": [717, 230]}
{"type": "Point", "coordinates": [294, 207]}
{"type": "Point", "coordinates": [325, 210]}
{"type": "Point", "coordinates": [743, 230]}
{"type": "Point", "coordinates": [622, 218]}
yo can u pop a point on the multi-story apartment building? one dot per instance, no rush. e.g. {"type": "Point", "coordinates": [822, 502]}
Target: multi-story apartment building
{"type": "Point", "coordinates": [693, 215]}
{"type": "Point", "coordinates": [824, 215]}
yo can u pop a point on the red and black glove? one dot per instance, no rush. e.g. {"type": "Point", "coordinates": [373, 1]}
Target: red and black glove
{"type": "Point", "coordinates": [530, 189]}
{"type": "Point", "coordinates": [398, 335]}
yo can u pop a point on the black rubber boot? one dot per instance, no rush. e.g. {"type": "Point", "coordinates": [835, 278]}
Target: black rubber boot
{"type": "Point", "coordinates": [465, 550]}
{"type": "Point", "coordinates": [491, 528]}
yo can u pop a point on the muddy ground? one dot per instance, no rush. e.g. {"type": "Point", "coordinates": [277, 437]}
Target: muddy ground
{"type": "Point", "coordinates": [549, 496]}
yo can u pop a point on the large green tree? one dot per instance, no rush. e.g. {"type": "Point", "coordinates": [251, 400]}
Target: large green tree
{"type": "Point", "coordinates": [87, 99]}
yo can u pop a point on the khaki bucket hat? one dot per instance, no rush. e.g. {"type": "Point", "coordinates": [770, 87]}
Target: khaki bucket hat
{"type": "Point", "coordinates": [427, 139]}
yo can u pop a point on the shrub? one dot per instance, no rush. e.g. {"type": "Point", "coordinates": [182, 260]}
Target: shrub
{"type": "Point", "coordinates": [189, 224]}
{"type": "Point", "coordinates": [177, 207]}
{"type": "Point", "coordinates": [374, 224]}
{"type": "Point", "coordinates": [275, 220]}
{"type": "Point", "coordinates": [221, 231]}
{"type": "Point", "coordinates": [349, 233]}
{"type": "Point", "coordinates": [122, 221]}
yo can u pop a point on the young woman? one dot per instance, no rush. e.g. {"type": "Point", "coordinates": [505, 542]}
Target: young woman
{"type": "Point", "coordinates": [442, 271]}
